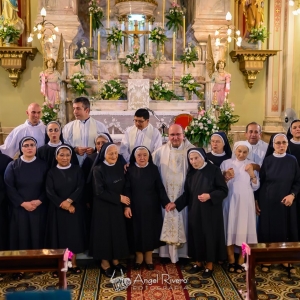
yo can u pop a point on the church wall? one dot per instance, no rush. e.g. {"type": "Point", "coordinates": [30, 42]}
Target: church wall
{"type": "Point", "coordinates": [296, 68]}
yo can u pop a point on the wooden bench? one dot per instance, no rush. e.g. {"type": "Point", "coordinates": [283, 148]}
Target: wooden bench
{"type": "Point", "coordinates": [34, 261]}
{"type": "Point", "coordinates": [269, 254]}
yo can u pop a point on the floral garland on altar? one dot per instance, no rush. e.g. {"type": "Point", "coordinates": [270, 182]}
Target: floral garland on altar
{"type": "Point", "coordinates": [115, 37]}
{"type": "Point", "coordinates": [158, 36]}
{"type": "Point", "coordinates": [135, 61]}
{"type": "Point", "coordinates": [189, 83]}
{"type": "Point", "coordinates": [189, 55]}
{"type": "Point", "coordinates": [97, 14]}
{"type": "Point", "coordinates": [112, 89]}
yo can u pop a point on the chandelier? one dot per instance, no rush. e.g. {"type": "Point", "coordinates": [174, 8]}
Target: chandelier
{"type": "Point", "coordinates": [296, 5]}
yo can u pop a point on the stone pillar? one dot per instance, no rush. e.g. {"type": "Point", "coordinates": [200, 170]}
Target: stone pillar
{"type": "Point", "coordinates": [150, 43]}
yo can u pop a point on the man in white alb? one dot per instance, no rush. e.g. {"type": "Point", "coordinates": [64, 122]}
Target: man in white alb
{"type": "Point", "coordinates": [171, 160]}
{"type": "Point", "coordinates": [33, 126]}
{"type": "Point", "coordinates": [82, 132]}
{"type": "Point", "coordinates": [142, 133]}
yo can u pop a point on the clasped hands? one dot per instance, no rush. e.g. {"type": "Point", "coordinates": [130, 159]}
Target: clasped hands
{"type": "Point", "coordinates": [31, 205]}
{"type": "Point", "coordinates": [66, 205]}
{"type": "Point", "coordinates": [82, 150]}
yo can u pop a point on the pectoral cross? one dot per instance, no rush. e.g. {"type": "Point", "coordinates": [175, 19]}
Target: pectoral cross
{"type": "Point", "coordinates": [136, 33]}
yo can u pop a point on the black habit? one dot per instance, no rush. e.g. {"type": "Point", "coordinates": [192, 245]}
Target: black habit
{"type": "Point", "coordinates": [217, 160]}
{"type": "Point", "coordinates": [4, 220]}
{"type": "Point", "coordinates": [147, 197]}
{"type": "Point", "coordinates": [25, 181]}
{"type": "Point", "coordinates": [206, 238]}
{"type": "Point", "coordinates": [65, 229]}
{"type": "Point", "coordinates": [279, 177]}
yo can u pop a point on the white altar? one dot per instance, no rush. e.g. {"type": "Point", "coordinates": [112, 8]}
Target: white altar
{"type": "Point", "coordinates": [138, 93]}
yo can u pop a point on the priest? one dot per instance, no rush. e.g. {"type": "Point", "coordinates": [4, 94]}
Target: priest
{"type": "Point", "coordinates": [142, 133]}
{"type": "Point", "coordinates": [33, 127]}
{"type": "Point", "coordinates": [171, 160]}
{"type": "Point", "coordinates": [82, 132]}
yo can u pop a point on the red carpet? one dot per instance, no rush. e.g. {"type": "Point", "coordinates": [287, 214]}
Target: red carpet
{"type": "Point", "coordinates": [165, 282]}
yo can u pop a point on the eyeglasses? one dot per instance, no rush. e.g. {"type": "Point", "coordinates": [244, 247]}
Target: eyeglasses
{"type": "Point", "coordinates": [139, 121]}
{"type": "Point", "coordinates": [175, 134]}
{"type": "Point", "coordinates": [53, 130]}
{"type": "Point", "coordinates": [28, 145]}
{"type": "Point", "coordinates": [281, 143]}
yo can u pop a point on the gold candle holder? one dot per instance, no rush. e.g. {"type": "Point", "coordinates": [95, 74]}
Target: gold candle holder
{"type": "Point", "coordinates": [173, 78]}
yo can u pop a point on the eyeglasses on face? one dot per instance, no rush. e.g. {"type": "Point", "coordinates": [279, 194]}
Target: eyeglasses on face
{"type": "Point", "coordinates": [139, 121]}
{"type": "Point", "coordinates": [53, 130]}
{"type": "Point", "coordinates": [281, 143]}
{"type": "Point", "coordinates": [28, 145]}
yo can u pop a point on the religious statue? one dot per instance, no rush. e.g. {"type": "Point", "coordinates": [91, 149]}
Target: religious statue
{"type": "Point", "coordinates": [10, 14]}
{"type": "Point", "coordinates": [222, 79]}
{"type": "Point", "coordinates": [254, 14]}
{"type": "Point", "coordinates": [50, 82]}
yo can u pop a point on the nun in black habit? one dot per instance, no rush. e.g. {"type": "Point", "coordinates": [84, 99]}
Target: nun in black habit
{"type": "Point", "coordinates": [204, 191]}
{"type": "Point", "coordinates": [53, 139]}
{"type": "Point", "coordinates": [279, 185]}
{"type": "Point", "coordinates": [147, 196]}
{"type": "Point", "coordinates": [65, 223]}
{"type": "Point", "coordinates": [25, 184]}
{"type": "Point", "coordinates": [220, 148]}
{"type": "Point", "coordinates": [108, 230]}
{"type": "Point", "coordinates": [4, 220]}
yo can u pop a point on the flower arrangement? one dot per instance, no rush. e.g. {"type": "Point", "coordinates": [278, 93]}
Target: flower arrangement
{"type": "Point", "coordinates": [8, 33]}
{"type": "Point", "coordinates": [189, 83]}
{"type": "Point", "coordinates": [83, 55]}
{"type": "Point", "coordinates": [189, 55]}
{"type": "Point", "coordinates": [50, 112]}
{"type": "Point", "coordinates": [97, 14]}
{"type": "Point", "coordinates": [159, 90]}
{"type": "Point", "coordinates": [115, 37]}
{"type": "Point", "coordinates": [175, 17]}
{"type": "Point", "coordinates": [201, 128]}
{"type": "Point", "coordinates": [112, 89]}
{"type": "Point", "coordinates": [258, 34]}
{"type": "Point", "coordinates": [135, 61]}
{"type": "Point", "coordinates": [226, 117]}
{"type": "Point", "coordinates": [78, 84]}
{"type": "Point", "coordinates": [158, 36]}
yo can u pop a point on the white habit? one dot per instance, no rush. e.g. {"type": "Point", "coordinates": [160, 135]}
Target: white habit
{"type": "Point", "coordinates": [239, 206]}
{"type": "Point", "coordinates": [172, 164]}
{"type": "Point", "coordinates": [149, 137]}
{"type": "Point", "coordinates": [258, 152]}
{"type": "Point", "coordinates": [11, 143]}
{"type": "Point", "coordinates": [82, 134]}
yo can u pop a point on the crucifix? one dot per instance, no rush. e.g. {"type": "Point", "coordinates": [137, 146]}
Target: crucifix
{"type": "Point", "coordinates": [136, 33]}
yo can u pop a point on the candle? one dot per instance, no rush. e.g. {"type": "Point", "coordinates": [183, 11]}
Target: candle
{"type": "Point", "coordinates": [91, 16]}
{"type": "Point", "coordinates": [174, 38]}
{"type": "Point", "coordinates": [183, 32]}
{"type": "Point", "coordinates": [99, 48]}
{"type": "Point", "coordinates": [107, 26]}
{"type": "Point", "coordinates": [163, 14]}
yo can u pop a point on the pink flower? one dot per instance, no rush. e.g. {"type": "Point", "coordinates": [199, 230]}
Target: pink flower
{"type": "Point", "coordinates": [232, 105]}
{"type": "Point", "coordinates": [202, 112]}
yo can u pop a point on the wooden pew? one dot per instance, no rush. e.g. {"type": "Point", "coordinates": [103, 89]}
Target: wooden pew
{"type": "Point", "coordinates": [270, 253]}
{"type": "Point", "coordinates": [34, 261]}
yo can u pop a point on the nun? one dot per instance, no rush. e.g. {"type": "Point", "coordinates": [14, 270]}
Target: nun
{"type": "Point", "coordinates": [280, 184]}
{"type": "Point", "coordinates": [108, 230]}
{"type": "Point", "coordinates": [239, 206]}
{"type": "Point", "coordinates": [148, 196]}
{"type": "Point", "coordinates": [53, 139]}
{"type": "Point", "coordinates": [204, 191]}
{"type": "Point", "coordinates": [220, 148]}
{"type": "Point", "coordinates": [25, 184]}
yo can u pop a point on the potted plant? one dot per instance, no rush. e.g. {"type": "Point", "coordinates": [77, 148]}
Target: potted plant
{"type": "Point", "coordinates": [175, 17]}
{"type": "Point", "coordinates": [8, 33]}
{"type": "Point", "coordinates": [97, 14]}
{"type": "Point", "coordinates": [258, 35]}
{"type": "Point", "coordinates": [190, 55]}
{"type": "Point", "coordinates": [115, 37]}
{"type": "Point", "coordinates": [159, 90]}
{"type": "Point", "coordinates": [112, 89]}
{"type": "Point", "coordinates": [158, 36]}
{"type": "Point", "coordinates": [83, 55]}
{"type": "Point", "coordinates": [50, 112]}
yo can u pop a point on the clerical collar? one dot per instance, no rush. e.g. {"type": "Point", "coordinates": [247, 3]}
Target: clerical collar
{"type": "Point", "coordinates": [54, 145]}
{"type": "Point", "coordinates": [179, 148]}
{"type": "Point", "coordinates": [279, 155]}
{"type": "Point", "coordinates": [84, 121]}
{"type": "Point", "coordinates": [205, 163]}
{"type": "Point", "coordinates": [140, 166]}
{"type": "Point", "coordinates": [295, 142]}
{"type": "Point", "coordinates": [218, 154]}
{"type": "Point", "coordinates": [28, 161]}
{"type": "Point", "coordinates": [63, 168]}
{"type": "Point", "coordinates": [108, 164]}
{"type": "Point", "coordinates": [33, 124]}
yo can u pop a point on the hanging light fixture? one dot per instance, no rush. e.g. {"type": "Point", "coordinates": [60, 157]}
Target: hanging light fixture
{"type": "Point", "coordinates": [296, 7]}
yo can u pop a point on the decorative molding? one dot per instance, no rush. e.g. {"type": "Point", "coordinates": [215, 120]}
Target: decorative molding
{"type": "Point", "coordinates": [251, 62]}
{"type": "Point", "coordinates": [13, 60]}
{"type": "Point", "coordinates": [147, 1]}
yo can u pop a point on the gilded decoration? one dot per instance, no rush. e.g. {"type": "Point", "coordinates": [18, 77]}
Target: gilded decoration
{"type": "Point", "coordinates": [147, 1]}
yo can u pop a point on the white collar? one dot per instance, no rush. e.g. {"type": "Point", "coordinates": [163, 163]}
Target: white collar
{"type": "Point", "coordinates": [294, 142]}
{"type": "Point", "coordinates": [143, 130]}
{"type": "Point", "coordinates": [108, 164]}
{"type": "Point", "coordinates": [28, 161]}
{"type": "Point", "coordinates": [54, 145]}
{"type": "Point", "coordinates": [140, 166]}
{"type": "Point", "coordinates": [205, 163]}
{"type": "Point", "coordinates": [63, 168]}
{"type": "Point", "coordinates": [217, 154]}
{"type": "Point", "coordinates": [279, 155]}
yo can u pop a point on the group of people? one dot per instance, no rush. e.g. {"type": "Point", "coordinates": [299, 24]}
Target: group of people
{"type": "Point", "coordinates": [73, 188]}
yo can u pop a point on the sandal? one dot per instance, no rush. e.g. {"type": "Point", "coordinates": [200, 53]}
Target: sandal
{"type": "Point", "coordinates": [231, 268]}
{"type": "Point", "coordinates": [265, 268]}
{"type": "Point", "coordinates": [75, 270]}
{"type": "Point", "coordinates": [17, 276]}
{"type": "Point", "coordinates": [54, 274]}
{"type": "Point", "coordinates": [239, 269]}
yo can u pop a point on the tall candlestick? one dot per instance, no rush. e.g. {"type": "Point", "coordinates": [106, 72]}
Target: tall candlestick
{"type": "Point", "coordinates": [98, 48]}
{"type": "Point", "coordinates": [183, 32]}
{"type": "Point", "coordinates": [163, 14]}
{"type": "Point", "coordinates": [91, 16]}
{"type": "Point", "coordinates": [174, 38]}
{"type": "Point", "coordinates": [107, 26]}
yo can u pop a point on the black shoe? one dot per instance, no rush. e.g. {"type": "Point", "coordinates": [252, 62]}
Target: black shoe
{"type": "Point", "coordinates": [150, 267]}
{"type": "Point", "coordinates": [137, 266]}
{"type": "Point", "coordinates": [165, 260]}
{"type": "Point", "coordinates": [120, 267]}
{"type": "Point", "coordinates": [195, 269]}
{"type": "Point", "coordinates": [107, 272]}
{"type": "Point", "coordinates": [207, 273]}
